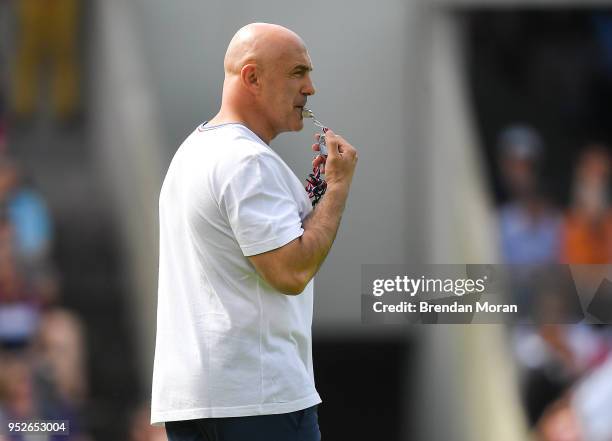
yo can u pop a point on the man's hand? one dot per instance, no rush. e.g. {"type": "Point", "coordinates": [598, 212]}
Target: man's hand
{"type": "Point", "coordinates": [290, 267]}
{"type": "Point", "coordinates": [339, 165]}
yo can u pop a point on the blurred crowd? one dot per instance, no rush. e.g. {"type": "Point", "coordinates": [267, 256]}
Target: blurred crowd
{"type": "Point", "coordinates": [42, 343]}
{"type": "Point", "coordinates": [43, 350]}
{"type": "Point", "coordinates": [566, 369]}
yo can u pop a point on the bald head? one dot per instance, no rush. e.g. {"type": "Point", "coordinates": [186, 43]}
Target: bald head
{"type": "Point", "coordinates": [261, 44]}
{"type": "Point", "coordinates": [267, 80]}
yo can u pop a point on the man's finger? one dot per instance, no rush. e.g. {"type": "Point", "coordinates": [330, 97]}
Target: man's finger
{"type": "Point", "coordinates": [319, 160]}
{"type": "Point", "coordinates": [332, 141]}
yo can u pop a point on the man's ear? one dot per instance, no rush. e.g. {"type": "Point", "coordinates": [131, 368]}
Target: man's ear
{"type": "Point", "coordinates": [250, 76]}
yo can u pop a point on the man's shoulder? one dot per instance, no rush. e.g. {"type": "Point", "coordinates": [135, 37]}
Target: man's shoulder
{"type": "Point", "coordinates": [228, 151]}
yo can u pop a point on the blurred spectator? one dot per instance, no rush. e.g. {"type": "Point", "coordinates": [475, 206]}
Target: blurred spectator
{"type": "Point", "coordinates": [25, 397]}
{"type": "Point", "coordinates": [529, 226]}
{"type": "Point", "coordinates": [587, 231]}
{"type": "Point", "coordinates": [48, 33]}
{"type": "Point", "coordinates": [26, 283]}
{"type": "Point", "coordinates": [19, 312]}
{"type": "Point", "coordinates": [17, 399]}
{"type": "Point", "coordinates": [584, 412]}
{"type": "Point", "coordinates": [60, 351]}
{"type": "Point", "coordinates": [530, 231]}
{"type": "Point", "coordinates": [27, 213]}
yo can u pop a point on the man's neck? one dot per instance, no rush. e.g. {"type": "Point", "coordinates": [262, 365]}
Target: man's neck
{"type": "Point", "coordinates": [252, 123]}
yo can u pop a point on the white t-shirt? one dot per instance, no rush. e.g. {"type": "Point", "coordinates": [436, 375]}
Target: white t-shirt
{"type": "Point", "coordinates": [229, 344]}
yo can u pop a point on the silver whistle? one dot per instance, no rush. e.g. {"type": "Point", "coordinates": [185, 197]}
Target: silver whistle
{"type": "Point", "coordinates": [307, 113]}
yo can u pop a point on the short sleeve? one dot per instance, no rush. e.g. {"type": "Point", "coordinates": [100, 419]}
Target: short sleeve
{"type": "Point", "coordinates": [259, 205]}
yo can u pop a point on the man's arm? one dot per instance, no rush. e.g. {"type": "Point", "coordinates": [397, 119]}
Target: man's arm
{"type": "Point", "coordinates": [290, 267]}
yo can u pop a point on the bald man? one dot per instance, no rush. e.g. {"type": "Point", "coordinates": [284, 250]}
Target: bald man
{"type": "Point", "coordinates": [239, 246]}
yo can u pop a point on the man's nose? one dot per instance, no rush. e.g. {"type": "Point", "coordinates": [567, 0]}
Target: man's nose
{"type": "Point", "coordinates": [309, 88]}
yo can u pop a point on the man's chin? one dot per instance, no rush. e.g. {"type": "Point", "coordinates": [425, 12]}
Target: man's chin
{"type": "Point", "coordinates": [298, 125]}
{"type": "Point", "coordinates": [293, 125]}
